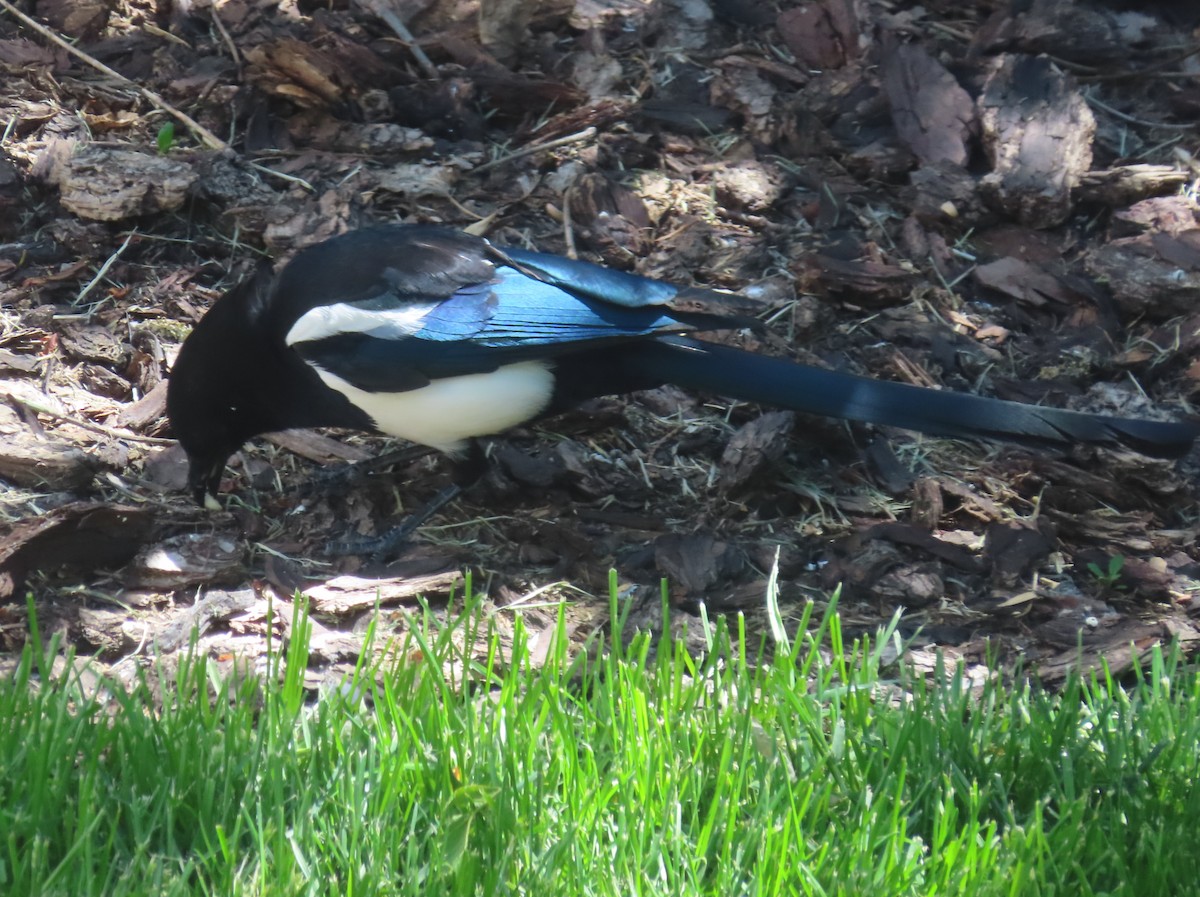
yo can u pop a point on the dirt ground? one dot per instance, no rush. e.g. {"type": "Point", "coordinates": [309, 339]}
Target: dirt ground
{"type": "Point", "coordinates": [955, 195]}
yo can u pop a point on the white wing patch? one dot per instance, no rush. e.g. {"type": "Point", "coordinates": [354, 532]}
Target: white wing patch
{"type": "Point", "coordinates": [329, 320]}
{"type": "Point", "coordinates": [447, 412]}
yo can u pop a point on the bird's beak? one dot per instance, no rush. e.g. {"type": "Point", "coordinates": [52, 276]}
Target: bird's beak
{"type": "Point", "coordinates": [204, 480]}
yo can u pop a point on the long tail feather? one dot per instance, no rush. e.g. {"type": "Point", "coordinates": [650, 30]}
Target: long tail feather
{"type": "Point", "coordinates": [784, 384]}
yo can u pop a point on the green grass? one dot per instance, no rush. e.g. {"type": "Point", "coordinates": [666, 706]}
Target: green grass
{"type": "Point", "coordinates": [645, 771]}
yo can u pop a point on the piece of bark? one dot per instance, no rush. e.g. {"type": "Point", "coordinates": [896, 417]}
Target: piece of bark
{"type": "Point", "coordinates": [944, 193]}
{"type": "Point", "coordinates": [1112, 654]}
{"type": "Point", "coordinates": [316, 446]}
{"type": "Point", "coordinates": [972, 500]}
{"type": "Point", "coordinates": [1014, 551]}
{"type": "Point", "coordinates": [933, 114]}
{"type": "Point", "coordinates": [745, 91]}
{"type": "Point", "coordinates": [573, 119]}
{"type": "Point", "coordinates": [1182, 249]}
{"type": "Point", "coordinates": [1157, 578]}
{"type": "Point", "coordinates": [12, 190]}
{"type": "Point", "coordinates": [91, 342]}
{"type": "Point", "coordinates": [348, 594]}
{"type": "Point", "coordinates": [292, 225]}
{"type": "Point", "coordinates": [503, 26]}
{"type": "Point", "coordinates": [22, 56]}
{"type": "Point", "coordinates": [105, 630]}
{"type": "Point", "coordinates": [1134, 533]}
{"type": "Point", "coordinates": [106, 184]}
{"type": "Point", "coordinates": [509, 92]}
{"type": "Point", "coordinates": [1174, 341]}
{"type": "Point", "coordinates": [882, 160]}
{"type": "Point", "coordinates": [226, 181]}
{"type": "Point", "coordinates": [750, 185]}
{"type": "Point", "coordinates": [215, 606]}
{"type": "Point", "coordinates": [1129, 183]}
{"type": "Point", "coordinates": [1037, 133]}
{"type": "Point", "coordinates": [1044, 249]}
{"type": "Point", "coordinates": [866, 560]}
{"type": "Point", "coordinates": [382, 141]}
{"type": "Point", "coordinates": [866, 282]}
{"type": "Point", "coordinates": [415, 180]}
{"type": "Point", "coordinates": [895, 478]}
{"type": "Point", "coordinates": [75, 18]}
{"type": "Point", "coordinates": [1160, 214]}
{"type": "Point", "coordinates": [296, 71]}
{"type": "Point", "coordinates": [1076, 490]}
{"type": "Point", "coordinates": [755, 446]}
{"type": "Point", "coordinates": [927, 503]}
{"type": "Point", "coordinates": [28, 461]}
{"type": "Point", "coordinates": [14, 363]}
{"type": "Point", "coordinates": [145, 368]}
{"type": "Point", "coordinates": [185, 560]}
{"type": "Point", "coordinates": [695, 562]}
{"type": "Point", "coordinates": [166, 469]}
{"type": "Point", "coordinates": [905, 534]}
{"type": "Point", "coordinates": [82, 537]}
{"type": "Point", "coordinates": [138, 415]}
{"type": "Point", "coordinates": [354, 57]}
{"type": "Point", "coordinates": [100, 381]}
{"type": "Point", "coordinates": [540, 470]}
{"type": "Point", "coordinates": [910, 585]}
{"type": "Point", "coordinates": [919, 242]}
{"type": "Point", "coordinates": [595, 71]}
{"type": "Point", "coordinates": [696, 119]}
{"type": "Point", "coordinates": [822, 35]}
{"type": "Point", "coordinates": [1079, 32]}
{"type": "Point", "coordinates": [1024, 282]}
{"type": "Point", "coordinates": [611, 219]}
{"type": "Point", "coordinates": [1150, 274]}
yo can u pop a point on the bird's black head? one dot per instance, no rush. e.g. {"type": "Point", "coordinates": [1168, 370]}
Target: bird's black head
{"type": "Point", "coordinates": [235, 376]}
{"type": "Point", "coordinates": [213, 395]}
{"type": "Point", "coordinates": [210, 414]}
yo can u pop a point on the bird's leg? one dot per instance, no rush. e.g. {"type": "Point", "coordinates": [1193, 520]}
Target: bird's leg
{"type": "Point", "coordinates": [468, 471]}
{"type": "Point", "coordinates": [343, 477]}
{"type": "Point", "coordinates": [387, 542]}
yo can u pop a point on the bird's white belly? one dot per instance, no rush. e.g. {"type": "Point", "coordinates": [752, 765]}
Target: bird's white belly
{"type": "Point", "coordinates": [447, 412]}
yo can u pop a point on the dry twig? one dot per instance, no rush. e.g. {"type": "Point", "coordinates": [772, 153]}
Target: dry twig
{"type": "Point", "coordinates": [207, 137]}
{"type": "Point", "coordinates": [585, 134]}
{"type": "Point", "coordinates": [39, 408]}
{"type": "Point", "coordinates": [382, 9]}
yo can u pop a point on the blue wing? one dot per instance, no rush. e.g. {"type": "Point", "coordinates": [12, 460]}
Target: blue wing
{"type": "Point", "coordinates": [533, 307]}
{"type": "Point", "coordinates": [515, 311]}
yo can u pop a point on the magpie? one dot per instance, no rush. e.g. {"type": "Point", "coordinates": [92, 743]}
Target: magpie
{"type": "Point", "coordinates": [438, 337]}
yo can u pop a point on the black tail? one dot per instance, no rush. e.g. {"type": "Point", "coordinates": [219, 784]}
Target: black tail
{"type": "Point", "coordinates": [724, 371]}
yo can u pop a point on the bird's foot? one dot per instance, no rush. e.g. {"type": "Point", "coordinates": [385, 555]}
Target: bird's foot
{"type": "Point", "coordinates": [380, 547]}
{"type": "Point", "coordinates": [346, 477]}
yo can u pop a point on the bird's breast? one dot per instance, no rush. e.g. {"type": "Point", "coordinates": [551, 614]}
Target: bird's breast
{"type": "Point", "coordinates": [451, 410]}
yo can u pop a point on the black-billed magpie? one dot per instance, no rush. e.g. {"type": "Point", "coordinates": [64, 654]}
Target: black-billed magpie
{"type": "Point", "coordinates": [436, 336]}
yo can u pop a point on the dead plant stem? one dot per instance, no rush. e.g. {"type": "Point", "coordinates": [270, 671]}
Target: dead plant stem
{"type": "Point", "coordinates": [207, 137]}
